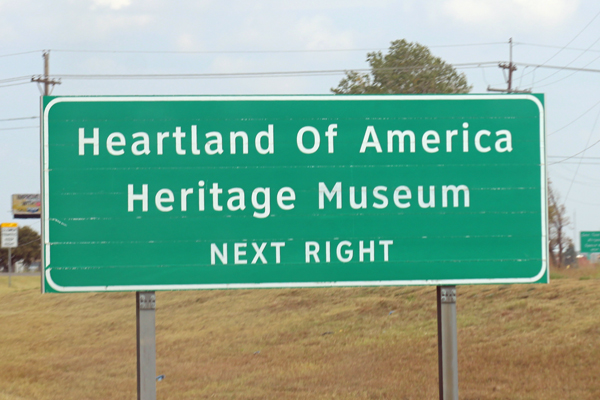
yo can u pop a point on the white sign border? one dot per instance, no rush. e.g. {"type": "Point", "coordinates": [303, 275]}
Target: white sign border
{"type": "Point", "coordinates": [120, 288]}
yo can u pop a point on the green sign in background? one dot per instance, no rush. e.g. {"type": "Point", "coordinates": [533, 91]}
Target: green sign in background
{"type": "Point", "coordinates": [590, 242]}
{"type": "Point", "coordinates": [94, 242]}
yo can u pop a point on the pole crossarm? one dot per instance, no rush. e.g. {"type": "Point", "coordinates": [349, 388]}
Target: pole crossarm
{"type": "Point", "coordinates": [45, 79]}
{"type": "Point", "coordinates": [511, 67]}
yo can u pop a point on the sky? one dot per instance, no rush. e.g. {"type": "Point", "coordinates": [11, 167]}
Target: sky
{"type": "Point", "coordinates": [87, 37]}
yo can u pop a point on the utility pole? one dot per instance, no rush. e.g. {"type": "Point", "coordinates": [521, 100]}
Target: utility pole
{"type": "Point", "coordinates": [45, 79]}
{"type": "Point", "coordinates": [511, 68]}
{"type": "Point", "coordinates": [48, 86]}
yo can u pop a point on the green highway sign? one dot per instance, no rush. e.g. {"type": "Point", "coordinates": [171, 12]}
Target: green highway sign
{"type": "Point", "coordinates": [590, 242]}
{"type": "Point", "coordinates": [210, 192]}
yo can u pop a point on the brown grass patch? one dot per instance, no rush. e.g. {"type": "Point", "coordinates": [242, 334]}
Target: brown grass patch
{"type": "Point", "coordinates": [515, 342]}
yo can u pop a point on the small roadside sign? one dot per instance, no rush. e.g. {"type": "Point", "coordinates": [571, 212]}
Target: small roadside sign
{"type": "Point", "coordinates": [10, 235]}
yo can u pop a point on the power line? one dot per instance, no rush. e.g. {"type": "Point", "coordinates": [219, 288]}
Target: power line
{"type": "Point", "coordinates": [575, 163]}
{"type": "Point", "coordinates": [566, 166]}
{"type": "Point", "coordinates": [235, 51]}
{"type": "Point", "coordinates": [588, 184]}
{"type": "Point", "coordinates": [579, 69]}
{"type": "Point", "coordinates": [572, 61]}
{"type": "Point", "coordinates": [256, 51]}
{"type": "Point", "coordinates": [19, 128]}
{"type": "Point", "coordinates": [15, 84]}
{"type": "Point", "coordinates": [565, 77]}
{"type": "Point", "coordinates": [576, 119]}
{"type": "Point", "coordinates": [15, 79]}
{"type": "Point", "coordinates": [272, 74]}
{"type": "Point", "coordinates": [583, 158]}
{"type": "Point", "coordinates": [468, 44]}
{"type": "Point", "coordinates": [576, 154]}
{"type": "Point", "coordinates": [557, 47]}
{"type": "Point", "coordinates": [262, 74]}
{"type": "Point", "coordinates": [572, 40]}
{"type": "Point", "coordinates": [17, 119]}
{"type": "Point", "coordinates": [585, 202]}
{"type": "Point", "coordinates": [21, 53]}
{"type": "Point", "coordinates": [583, 151]}
{"type": "Point", "coordinates": [211, 51]}
{"type": "Point", "coordinates": [484, 64]}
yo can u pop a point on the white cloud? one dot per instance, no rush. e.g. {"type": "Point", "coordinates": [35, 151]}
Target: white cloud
{"type": "Point", "coordinates": [515, 14]}
{"type": "Point", "coordinates": [112, 4]}
{"type": "Point", "coordinates": [109, 25]}
{"type": "Point", "coordinates": [334, 4]}
{"type": "Point", "coordinates": [319, 32]}
{"type": "Point", "coordinates": [186, 42]}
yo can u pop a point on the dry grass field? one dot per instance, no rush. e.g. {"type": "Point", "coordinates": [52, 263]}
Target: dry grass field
{"type": "Point", "coordinates": [515, 342]}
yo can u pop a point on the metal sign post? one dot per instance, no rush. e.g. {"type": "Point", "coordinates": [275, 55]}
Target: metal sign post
{"type": "Point", "coordinates": [146, 345]}
{"type": "Point", "coordinates": [9, 265]}
{"type": "Point", "coordinates": [447, 342]}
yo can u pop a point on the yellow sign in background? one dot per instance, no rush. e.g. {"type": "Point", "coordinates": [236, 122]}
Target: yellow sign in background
{"type": "Point", "coordinates": [26, 205]}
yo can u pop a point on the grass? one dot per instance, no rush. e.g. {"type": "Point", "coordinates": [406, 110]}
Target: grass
{"type": "Point", "coordinates": [515, 342]}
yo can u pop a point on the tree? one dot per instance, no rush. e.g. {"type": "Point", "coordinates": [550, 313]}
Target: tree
{"type": "Point", "coordinates": [558, 222]}
{"type": "Point", "coordinates": [407, 68]}
{"type": "Point", "coordinates": [28, 249]}
{"type": "Point", "coordinates": [570, 258]}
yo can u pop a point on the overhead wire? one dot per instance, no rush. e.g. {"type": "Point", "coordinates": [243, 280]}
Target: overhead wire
{"type": "Point", "coordinates": [584, 158]}
{"type": "Point", "coordinates": [15, 84]}
{"type": "Point", "coordinates": [579, 69]}
{"type": "Point", "coordinates": [210, 51]}
{"type": "Point", "coordinates": [567, 166]}
{"type": "Point", "coordinates": [471, 65]}
{"type": "Point", "coordinates": [263, 74]}
{"type": "Point", "coordinates": [28, 78]}
{"type": "Point", "coordinates": [581, 178]}
{"type": "Point", "coordinates": [576, 119]}
{"type": "Point", "coordinates": [575, 163]}
{"type": "Point", "coordinates": [21, 53]}
{"type": "Point", "coordinates": [556, 47]}
{"type": "Point", "coordinates": [17, 119]}
{"type": "Point", "coordinates": [572, 61]}
{"type": "Point", "coordinates": [232, 51]}
{"type": "Point", "coordinates": [15, 128]}
{"type": "Point", "coordinates": [576, 154]}
{"type": "Point", "coordinates": [575, 181]}
{"type": "Point", "coordinates": [568, 76]}
{"type": "Point", "coordinates": [572, 40]}
{"type": "Point", "coordinates": [256, 51]}
{"type": "Point", "coordinates": [15, 79]}
{"type": "Point", "coordinates": [583, 151]}
{"type": "Point", "coordinates": [585, 202]}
